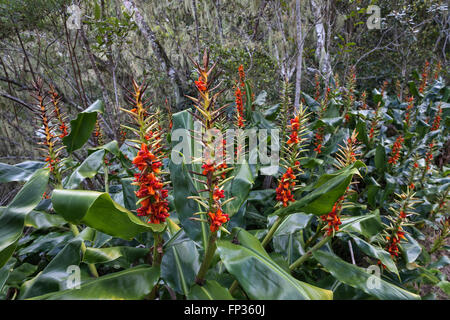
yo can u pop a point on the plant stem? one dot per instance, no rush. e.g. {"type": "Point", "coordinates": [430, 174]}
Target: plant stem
{"type": "Point", "coordinates": [315, 236]}
{"type": "Point", "coordinates": [91, 266]}
{"type": "Point", "coordinates": [272, 230]}
{"type": "Point", "coordinates": [209, 254]}
{"type": "Point", "coordinates": [157, 256]}
{"type": "Point", "coordinates": [105, 168]}
{"type": "Point", "coordinates": [304, 257]}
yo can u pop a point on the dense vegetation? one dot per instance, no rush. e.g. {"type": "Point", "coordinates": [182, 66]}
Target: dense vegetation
{"type": "Point", "coordinates": [90, 127]}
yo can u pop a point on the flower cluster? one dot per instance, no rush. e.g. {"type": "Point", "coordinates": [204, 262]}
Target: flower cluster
{"type": "Point", "coordinates": [151, 191]}
{"type": "Point", "coordinates": [409, 109]}
{"type": "Point", "coordinates": [47, 128]}
{"type": "Point", "coordinates": [393, 241]}
{"type": "Point", "coordinates": [55, 98]}
{"type": "Point", "coordinates": [429, 156]}
{"type": "Point", "coordinates": [152, 195]}
{"type": "Point", "coordinates": [285, 188]}
{"type": "Point", "coordinates": [332, 219]}
{"type": "Point", "coordinates": [425, 72]}
{"type": "Point", "coordinates": [318, 140]}
{"type": "Point", "coordinates": [437, 70]}
{"type": "Point", "coordinates": [286, 185]}
{"type": "Point", "coordinates": [437, 119]}
{"type": "Point", "coordinates": [364, 100]}
{"type": "Point", "coordinates": [396, 148]}
{"type": "Point", "coordinates": [394, 232]}
{"type": "Point", "coordinates": [239, 95]}
{"type": "Point", "coordinates": [295, 125]}
{"type": "Point", "coordinates": [213, 170]}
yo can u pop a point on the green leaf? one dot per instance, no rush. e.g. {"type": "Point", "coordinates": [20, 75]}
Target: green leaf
{"type": "Point", "coordinates": [129, 195]}
{"type": "Point", "coordinates": [97, 210]}
{"type": "Point", "coordinates": [184, 186]}
{"type": "Point", "coordinates": [54, 276]}
{"type": "Point", "coordinates": [103, 255]}
{"type": "Point", "coordinates": [411, 249]}
{"type": "Point", "coordinates": [88, 169]}
{"type": "Point", "coordinates": [239, 187]}
{"type": "Point", "coordinates": [19, 172]}
{"type": "Point", "coordinates": [5, 271]}
{"type": "Point", "coordinates": [180, 263]}
{"type": "Point", "coordinates": [357, 277]}
{"type": "Point", "coordinates": [326, 191]}
{"type": "Point", "coordinates": [13, 217]}
{"type": "Point", "coordinates": [260, 276]}
{"type": "Point", "coordinates": [81, 127]}
{"type": "Point", "coordinates": [375, 252]}
{"type": "Point", "coordinates": [43, 220]}
{"type": "Point", "coordinates": [211, 290]}
{"type": "Point", "coordinates": [130, 284]}
{"type": "Point", "coordinates": [380, 158]}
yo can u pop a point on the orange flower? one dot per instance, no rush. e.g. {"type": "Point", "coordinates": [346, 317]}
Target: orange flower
{"type": "Point", "coordinates": [207, 168]}
{"type": "Point", "coordinates": [218, 194]}
{"type": "Point", "coordinates": [239, 107]}
{"type": "Point", "coordinates": [143, 158]}
{"type": "Point", "coordinates": [151, 189]}
{"type": "Point", "coordinates": [295, 126]}
{"type": "Point", "coordinates": [437, 119]}
{"type": "Point", "coordinates": [333, 219]}
{"type": "Point", "coordinates": [217, 219]}
{"type": "Point", "coordinates": [396, 148]}
{"type": "Point", "coordinates": [285, 187]}
{"type": "Point", "coordinates": [318, 140]}
{"type": "Point", "coordinates": [201, 86]}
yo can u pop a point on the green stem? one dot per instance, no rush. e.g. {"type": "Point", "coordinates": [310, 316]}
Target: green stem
{"type": "Point", "coordinates": [157, 256]}
{"type": "Point", "coordinates": [91, 266]}
{"type": "Point", "coordinates": [105, 168]}
{"type": "Point", "coordinates": [209, 254]}
{"type": "Point", "coordinates": [304, 257]}
{"type": "Point", "coordinates": [272, 230]}
{"type": "Point", "coordinates": [315, 236]}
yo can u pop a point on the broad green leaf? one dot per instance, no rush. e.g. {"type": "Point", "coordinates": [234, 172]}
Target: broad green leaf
{"type": "Point", "coordinates": [380, 158]}
{"type": "Point", "coordinates": [87, 169]}
{"type": "Point", "coordinates": [326, 192]}
{"type": "Point", "coordinates": [131, 284]}
{"type": "Point", "coordinates": [20, 273]}
{"type": "Point", "coordinates": [411, 249]}
{"type": "Point", "coordinates": [180, 263]}
{"type": "Point", "coordinates": [13, 217]}
{"type": "Point", "coordinates": [19, 172]}
{"type": "Point", "coordinates": [211, 290]}
{"type": "Point", "coordinates": [239, 187]}
{"type": "Point", "coordinates": [97, 210]}
{"type": "Point", "coordinates": [375, 252]}
{"type": "Point", "coordinates": [5, 271]}
{"type": "Point", "coordinates": [43, 220]}
{"type": "Point", "coordinates": [358, 278]}
{"type": "Point", "coordinates": [103, 255]}
{"type": "Point", "coordinates": [260, 276]}
{"type": "Point", "coordinates": [183, 184]}
{"type": "Point", "coordinates": [129, 195]}
{"type": "Point", "coordinates": [54, 276]}
{"type": "Point", "coordinates": [81, 127]}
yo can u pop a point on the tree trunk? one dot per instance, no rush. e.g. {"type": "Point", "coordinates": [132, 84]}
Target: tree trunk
{"type": "Point", "coordinates": [298, 75]}
{"type": "Point", "coordinates": [321, 53]}
{"type": "Point", "coordinates": [158, 50]}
